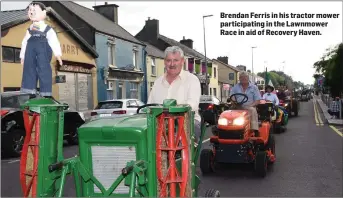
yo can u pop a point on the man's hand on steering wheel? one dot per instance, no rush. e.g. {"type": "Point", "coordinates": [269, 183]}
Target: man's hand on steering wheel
{"type": "Point", "coordinates": [146, 105]}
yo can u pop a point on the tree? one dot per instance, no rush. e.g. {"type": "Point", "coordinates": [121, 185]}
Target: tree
{"type": "Point", "coordinates": [331, 67]}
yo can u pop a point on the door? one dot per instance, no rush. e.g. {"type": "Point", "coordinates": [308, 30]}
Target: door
{"type": "Point", "coordinates": [132, 107]}
{"type": "Point", "coordinates": [120, 90]}
{"type": "Point", "coordinates": [82, 92]}
{"type": "Point", "coordinates": [67, 90]}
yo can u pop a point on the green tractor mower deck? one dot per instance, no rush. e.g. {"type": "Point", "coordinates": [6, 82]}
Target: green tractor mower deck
{"type": "Point", "coordinates": [124, 156]}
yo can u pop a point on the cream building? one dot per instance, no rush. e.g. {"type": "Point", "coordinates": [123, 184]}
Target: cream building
{"type": "Point", "coordinates": [79, 88]}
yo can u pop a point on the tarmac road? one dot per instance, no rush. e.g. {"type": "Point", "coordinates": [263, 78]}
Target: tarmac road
{"type": "Point", "coordinates": [309, 164]}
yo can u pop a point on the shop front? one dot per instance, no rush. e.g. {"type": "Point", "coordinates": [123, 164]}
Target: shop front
{"type": "Point", "coordinates": [75, 85]}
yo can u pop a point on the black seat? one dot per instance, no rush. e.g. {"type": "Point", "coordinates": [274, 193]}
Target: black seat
{"type": "Point", "coordinates": [265, 111]}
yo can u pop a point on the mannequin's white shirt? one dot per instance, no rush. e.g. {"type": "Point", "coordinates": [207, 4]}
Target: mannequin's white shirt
{"type": "Point", "coordinates": [271, 97]}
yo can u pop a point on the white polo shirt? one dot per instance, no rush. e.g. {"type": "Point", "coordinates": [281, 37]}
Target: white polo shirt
{"type": "Point", "coordinates": [185, 89]}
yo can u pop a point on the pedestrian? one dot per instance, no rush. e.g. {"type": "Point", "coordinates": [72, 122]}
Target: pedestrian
{"type": "Point", "coordinates": [178, 84]}
{"type": "Point", "coordinates": [334, 108]}
{"type": "Point", "coordinates": [254, 97]}
{"type": "Point", "coordinates": [37, 47]}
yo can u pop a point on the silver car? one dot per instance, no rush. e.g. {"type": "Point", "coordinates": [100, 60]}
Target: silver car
{"type": "Point", "coordinates": [115, 107]}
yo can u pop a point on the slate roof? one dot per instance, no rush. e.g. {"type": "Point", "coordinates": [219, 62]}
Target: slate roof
{"type": "Point", "coordinates": [15, 17]}
{"type": "Point", "coordinates": [153, 51]}
{"type": "Point", "coordinates": [229, 66]}
{"type": "Point", "coordinates": [99, 22]}
{"type": "Point", "coordinates": [187, 50]}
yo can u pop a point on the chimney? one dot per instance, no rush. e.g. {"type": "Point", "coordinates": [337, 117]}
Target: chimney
{"type": "Point", "coordinates": [152, 28]}
{"type": "Point", "coordinates": [187, 42]}
{"type": "Point", "coordinates": [223, 59]}
{"type": "Point", "coordinates": [110, 11]}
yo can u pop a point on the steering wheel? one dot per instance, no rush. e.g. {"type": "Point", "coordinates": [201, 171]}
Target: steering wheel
{"type": "Point", "coordinates": [146, 105]}
{"type": "Point", "coordinates": [244, 100]}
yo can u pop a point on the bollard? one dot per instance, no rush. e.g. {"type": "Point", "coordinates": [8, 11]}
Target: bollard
{"type": "Point", "coordinates": [43, 120]}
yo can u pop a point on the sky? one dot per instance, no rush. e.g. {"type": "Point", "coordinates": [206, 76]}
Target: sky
{"type": "Point", "coordinates": [294, 55]}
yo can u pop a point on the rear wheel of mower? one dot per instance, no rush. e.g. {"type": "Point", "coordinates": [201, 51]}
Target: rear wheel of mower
{"type": "Point", "coordinates": [212, 193]}
{"type": "Point", "coordinates": [261, 163]}
{"type": "Point", "coordinates": [206, 161]}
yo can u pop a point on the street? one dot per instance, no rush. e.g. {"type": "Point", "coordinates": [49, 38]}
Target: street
{"type": "Point", "coordinates": [309, 163]}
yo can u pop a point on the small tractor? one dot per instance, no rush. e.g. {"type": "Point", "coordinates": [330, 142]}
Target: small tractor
{"type": "Point", "coordinates": [233, 140]}
{"type": "Point", "coordinates": [124, 156]}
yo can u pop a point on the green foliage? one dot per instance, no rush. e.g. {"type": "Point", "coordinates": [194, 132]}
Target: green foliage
{"type": "Point", "coordinates": [278, 78]}
{"type": "Point", "coordinates": [331, 67]}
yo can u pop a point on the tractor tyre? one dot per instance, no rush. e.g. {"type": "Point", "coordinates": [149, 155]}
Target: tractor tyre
{"type": "Point", "coordinates": [261, 163]}
{"type": "Point", "coordinates": [271, 145]}
{"type": "Point", "coordinates": [206, 161]}
{"type": "Point", "coordinates": [212, 193]}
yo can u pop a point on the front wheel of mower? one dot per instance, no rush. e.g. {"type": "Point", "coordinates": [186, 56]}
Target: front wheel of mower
{"type": "Point", "coordinates": [261, 163]}
{"type": "Point", "coordinates": [212, 193]}
{"type": "Point", "coordinates": [206, 161]}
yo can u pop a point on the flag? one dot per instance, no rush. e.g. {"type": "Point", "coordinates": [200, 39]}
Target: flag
{"type": "Point", "coordinates": [209, 69]}
{"type": "Point", "coordinates": [191, 65]}
{"type": "Point", "coordinates": [203, 67]}
{"type": "Point", "coordinates": [197, 66]}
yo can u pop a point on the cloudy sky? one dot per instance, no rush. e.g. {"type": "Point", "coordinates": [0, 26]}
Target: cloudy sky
{"type": "Point", "coordinates": [178, 19]}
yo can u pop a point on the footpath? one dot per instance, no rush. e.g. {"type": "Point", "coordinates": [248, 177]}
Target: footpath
{"type": "Point", "coordinates": [324, 108]}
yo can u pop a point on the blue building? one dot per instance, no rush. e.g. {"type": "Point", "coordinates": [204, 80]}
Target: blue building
{"type": "Point", "coordinates": [121, 63]}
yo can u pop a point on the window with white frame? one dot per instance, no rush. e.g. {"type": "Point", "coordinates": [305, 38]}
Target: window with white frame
{"type": "Point", "coordinates": [134, 90]}
{"type": "Point", "coordinates": [110, 89]}
{"type": "Point", "coordinates": [134, 57]}
{"type": "Point", "coordinates": [214, 72]}
{"type": "Point", "coordinates": [111, 52]}
{"type": "Point", "coordinates": [153, 67]}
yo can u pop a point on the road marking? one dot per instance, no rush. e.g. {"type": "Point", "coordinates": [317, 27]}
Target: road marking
{"type": "Point", "coordinates": [336, 130]}
{"type": "Point", "coordinates": [317, 116]}
{"type": "Point", "coordinates": [12, 161]}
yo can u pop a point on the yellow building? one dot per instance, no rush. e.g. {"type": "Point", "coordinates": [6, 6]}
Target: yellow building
{"type": "Point", "coordinates": [214, 88]}
{"type": "Point", "coordinates": [155, 65]}
{"type": "Point", "coordinates": [79, 88]}
{"type": "Point", "coordinates": [227, 77]}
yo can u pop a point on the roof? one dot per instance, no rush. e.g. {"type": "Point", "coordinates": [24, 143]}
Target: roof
{"type": "Point", "coordinates": [99, 22]}
{"type": "Point", "coordinates": [229, 66]}
{"type": "Point", "coordinates": [16, 17]}
{"type": "Point", "coordinates": [153, 51]}
{"type": "Point", "coordinates": [187, 50]}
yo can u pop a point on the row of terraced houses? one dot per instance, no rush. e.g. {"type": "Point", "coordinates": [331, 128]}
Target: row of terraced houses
{"type": "Point", "coordinates": [101, 59]}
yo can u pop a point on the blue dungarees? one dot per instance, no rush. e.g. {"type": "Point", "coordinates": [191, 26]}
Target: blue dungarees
{"type": "Point", "coordinates": [37, 60]}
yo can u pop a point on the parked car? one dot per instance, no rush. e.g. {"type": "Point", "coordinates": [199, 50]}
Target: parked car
{"type": "Point", "coordinates": [12, 124]}
{"type": "Point", "coordinates": [115, 107]}
{"type": "Point", "coordinates": [211, 107]}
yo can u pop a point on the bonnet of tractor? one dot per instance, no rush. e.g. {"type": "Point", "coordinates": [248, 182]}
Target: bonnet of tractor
{"type": "Point", "coordinates": [125, 156]}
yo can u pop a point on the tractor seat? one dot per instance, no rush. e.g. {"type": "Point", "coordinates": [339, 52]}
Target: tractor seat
{"type": "Point", "coordinates": [265, 111]}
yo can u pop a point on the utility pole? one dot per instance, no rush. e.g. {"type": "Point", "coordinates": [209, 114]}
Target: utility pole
{"type": "Point", "coordinates": [206, 73]}
{"type": "Point", "coordinates": [252, 64]}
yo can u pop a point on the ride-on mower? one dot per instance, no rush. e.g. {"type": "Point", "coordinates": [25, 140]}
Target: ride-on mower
{"type": "Point", "coordinates": [233, 140]}
{"type": "Point", "coordinates": [123, 156]}
{"type": "Point", "coordinates": [279, 117]}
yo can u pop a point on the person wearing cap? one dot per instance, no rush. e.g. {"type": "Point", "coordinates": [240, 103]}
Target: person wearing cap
{"type": "Point", "coordinates": [271, 96]}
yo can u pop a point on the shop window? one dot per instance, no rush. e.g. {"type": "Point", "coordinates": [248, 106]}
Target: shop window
{"type": "Point", "coordinates": [215, 91]}
{"type": "Point", "coordinates": [10, 54]}
{"type": "Point", "coordinates": [153, 67]}
{"type": "Point", "coordinates": [11, 89]}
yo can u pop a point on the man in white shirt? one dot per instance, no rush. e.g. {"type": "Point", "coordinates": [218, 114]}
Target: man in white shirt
{"type": "Point", "coordinates": [271, 96]}
{"type": "Point", "coordinates": [178, 84]}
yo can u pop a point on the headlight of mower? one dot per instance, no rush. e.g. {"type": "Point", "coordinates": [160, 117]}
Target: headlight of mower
{"type": "Point", "coordinates": [239, 121]}
{"type": "Point", "coordinates": [223, 121]}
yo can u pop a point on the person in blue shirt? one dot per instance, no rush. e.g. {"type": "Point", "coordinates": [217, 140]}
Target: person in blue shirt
{"type": "Point", "coordinates": [254, 97]}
